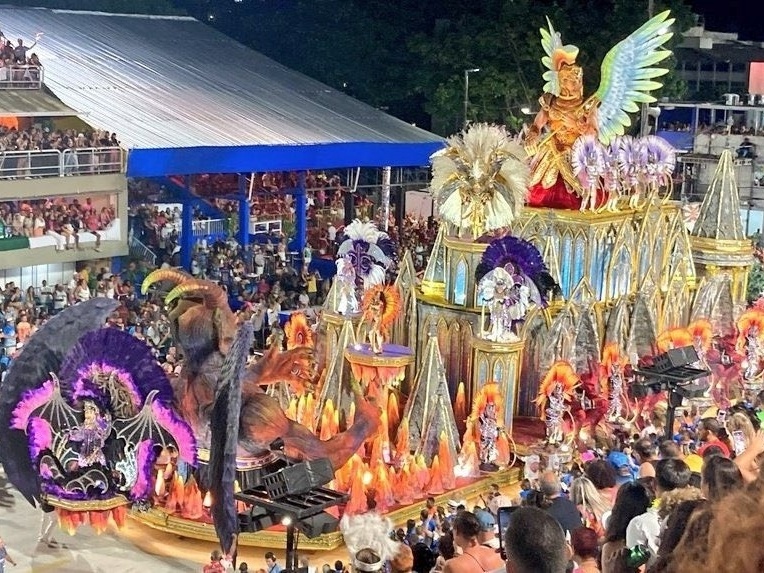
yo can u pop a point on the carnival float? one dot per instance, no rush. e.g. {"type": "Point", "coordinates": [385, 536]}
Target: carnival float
{"type": "Point", "coordinates": [562, 267]}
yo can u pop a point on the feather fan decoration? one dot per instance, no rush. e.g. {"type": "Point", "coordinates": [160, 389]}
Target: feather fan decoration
{"type": "Point", "coordinates": [480, 180]}
{"type": "Point", "coordinates": [368, 531]}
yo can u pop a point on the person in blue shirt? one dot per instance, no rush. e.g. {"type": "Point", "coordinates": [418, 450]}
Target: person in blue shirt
{"type": "Point", "coordinates": [270, 563]}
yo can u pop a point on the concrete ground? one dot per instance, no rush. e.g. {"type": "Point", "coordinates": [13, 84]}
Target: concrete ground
{"type": "Point", "coordinates": [133, 549]}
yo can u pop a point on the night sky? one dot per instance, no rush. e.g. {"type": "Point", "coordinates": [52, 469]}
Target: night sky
{"type": "Point", "coordinates": [741, 16]}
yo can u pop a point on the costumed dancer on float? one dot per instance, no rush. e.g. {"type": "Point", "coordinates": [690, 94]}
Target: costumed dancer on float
{"type": "Point", "coordinates": [489, 435]}
{"type": "Point", "coordinates": [626, 80]}
{"type": "Point", "coordinates": [556, 392]}
{"type": "Point", "coordinates": [381, 306]}
{"type": "Point", "coordinates": [511, 277]}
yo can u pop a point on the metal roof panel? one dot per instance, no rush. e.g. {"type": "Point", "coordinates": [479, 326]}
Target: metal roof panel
{"type": "Point", "coordinates": [169, 82]}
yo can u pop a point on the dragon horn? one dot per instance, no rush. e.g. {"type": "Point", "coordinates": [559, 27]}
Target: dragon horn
{"type": "Point", "coordinates": [213, 294]}
{"type": "Point", "coordinates": [164, 275]}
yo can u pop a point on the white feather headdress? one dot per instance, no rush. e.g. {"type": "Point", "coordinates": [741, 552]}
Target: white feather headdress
{"type": "Point", "coordinates": [368, 531]}
{"type": "Point", "coordinates": [480, 180]}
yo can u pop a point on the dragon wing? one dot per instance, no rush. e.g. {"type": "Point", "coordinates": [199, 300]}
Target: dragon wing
{"type": "Point", "coordinates": [42, 354]}
{"type": "Point", "coordinates": [628, 71]}
{"type": "Point", "coordinates": [224, 422]}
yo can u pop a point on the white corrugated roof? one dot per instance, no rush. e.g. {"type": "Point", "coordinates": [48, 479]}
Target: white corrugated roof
{"type": "Point", "coordinates": [163, 82]}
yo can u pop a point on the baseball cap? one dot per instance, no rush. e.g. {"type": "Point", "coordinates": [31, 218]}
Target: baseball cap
{"type": "Point", "coordinates": [486, 520]}
{"type": "Point", "coordinates": [622, 465]}
{"type": "Point", "coordinates": [618, 460]}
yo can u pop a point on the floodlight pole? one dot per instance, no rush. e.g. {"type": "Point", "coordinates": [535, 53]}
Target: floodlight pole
{"type": "Point", "coordinates": [467, 93]}
{"type": "Point", "coordinates": [291, 548]}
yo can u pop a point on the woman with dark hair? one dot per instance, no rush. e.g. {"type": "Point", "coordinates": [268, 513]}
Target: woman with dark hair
{"type": "Point", "coordinates": [604, 477]}
{"type": "Point", "coordinates": [633, 499]}
{"type": "Point", "coordinates": [446, 550]}
{"type": "Point", "coordinates": [687, 518]}
{"type": "Point", "coordinates": [719, 477]}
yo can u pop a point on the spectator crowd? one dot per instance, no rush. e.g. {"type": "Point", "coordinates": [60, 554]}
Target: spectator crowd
{"type": "Point", "coordinates": [18, 67]}
{"type": "Point", "coordinates": [65, 220]}
{"type": "Point", "coordinates": [81, 153]}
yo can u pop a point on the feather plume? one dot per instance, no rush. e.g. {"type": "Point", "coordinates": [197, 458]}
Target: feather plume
{"type": "Point", "coordinates": [369, 251]}
{"type": "Point", "coordinates": [479, 181]}
{"type": "Point", "coordinates": [556, 54]}
{"type": "Point", "coordinates": [524, 257]}
{"type": "Point", "coordinates": [659, 160]}
{"type": "Point", "coordinates": [369, 531]}
{"type": "Point", "coordinates": [560, 373]}
{"type": "Point", "coordinates": [588, 161]}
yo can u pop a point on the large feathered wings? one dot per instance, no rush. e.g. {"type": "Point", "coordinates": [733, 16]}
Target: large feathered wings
{"type": "Point", "coordinates": [42, 355]}
{"type": "Point", "coordinates": [628, 74]}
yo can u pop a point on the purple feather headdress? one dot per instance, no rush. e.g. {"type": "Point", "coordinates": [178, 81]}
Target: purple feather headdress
{"type": "Point", "coordinates": [588, 161]}
{"type": "Point", "coordinates": [630, 161]}
{"type": "Point", "coordinates": [107, 351]}
{"type": "Point", "coordinates": [611, 175]}
{"type": "Point", "coordinates": [659, 159]}
{"type": "Point", "coordinates": [525, 259]}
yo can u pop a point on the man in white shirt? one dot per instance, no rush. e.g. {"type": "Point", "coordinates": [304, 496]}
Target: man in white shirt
{"type": "Point", "coordinates": [646, 529]}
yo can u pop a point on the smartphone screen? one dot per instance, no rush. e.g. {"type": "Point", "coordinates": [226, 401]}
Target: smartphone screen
{"type": "Point", "coordinates": [738, 442]}
{"type": "Point", "coordinates": [504, 516]}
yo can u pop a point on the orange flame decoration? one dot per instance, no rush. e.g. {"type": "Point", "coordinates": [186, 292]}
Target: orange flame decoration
{"type": "Point", "coordinates": [192, 506]}
{"type": "Point", "coordinates": [460, 404]}
{"type": "Point", "coordinates": [69, 521]}
{"type": "Point", "coordinates": [357, 502]}
{"type": "Point", "coordinates": [327, 421]}
{"type": "Point", "coordinates": [382, 487]}
{"type": "Point", "coordinates": [560, 373]}
{"type": "Point", "coordinates": [391, 305]}
{"type": "Point", "coordinates": [673, 338]}
{"type": "Point", "coordinates": [752, 318]}
{"type": "Point", "coordinates": [393, 411]}
{"type": "Point", "coordinates": [291, 412]}
{"type": "Point", "coordinates": [435, 483]}
{"type": "Point", "coordinates": [447, 463]}
{"type": "Point", "coordinates": [297, 331]}
{"type": "Point", "coordinates": [701, 330]}
{"type": "Point", "coordinates": [402, 445]}
{"type": "Point", "coordinates": [175, 500]}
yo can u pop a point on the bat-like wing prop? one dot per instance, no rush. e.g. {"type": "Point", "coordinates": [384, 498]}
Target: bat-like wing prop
{"type": "Point", "coordinates": [42, 354]}
{"type": "Point", "coordinates": [155, 425]}
{"type": "Point", "coordinates": [224, 422]}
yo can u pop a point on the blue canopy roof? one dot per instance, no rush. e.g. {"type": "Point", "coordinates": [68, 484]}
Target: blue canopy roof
{"type": "Point", "coordinates": [185, 99]}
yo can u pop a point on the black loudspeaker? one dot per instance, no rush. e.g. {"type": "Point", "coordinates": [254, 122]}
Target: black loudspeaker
{"type": "Point", "coordinates": [299, 478]}
{"type": "Point", "coordinates": [675, 358]}
{"type": "Point", "coordinates": [256, 519]}
{"type": "Point", "coordinates": [318, 525]}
